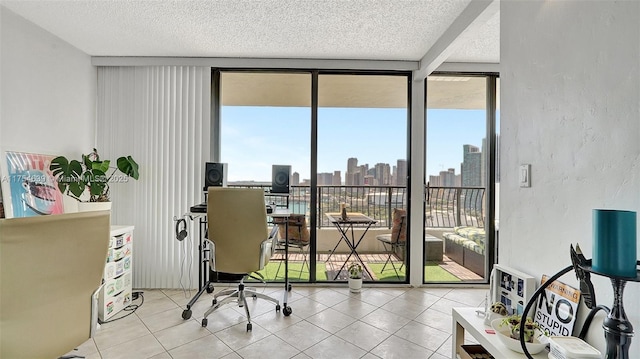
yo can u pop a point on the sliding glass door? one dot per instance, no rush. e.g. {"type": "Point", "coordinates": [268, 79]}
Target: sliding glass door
{"type": "Point", "coordinates": [265, 121]}
{"type": "Point", "coordinates": [347, 144]}
{"type": "Point", "coordinates": [458, 160]}
{"type": "Point", "coordinates": [362, 163]}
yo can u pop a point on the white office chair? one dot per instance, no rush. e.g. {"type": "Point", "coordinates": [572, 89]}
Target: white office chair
{"type": "Point", "coordinates": [241, 242]}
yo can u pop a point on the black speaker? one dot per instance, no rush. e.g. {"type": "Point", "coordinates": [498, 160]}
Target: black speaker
{"type": "Point", "coordinates": [215, 175]}
{"type": "Point", "coordinates": [280, 178]}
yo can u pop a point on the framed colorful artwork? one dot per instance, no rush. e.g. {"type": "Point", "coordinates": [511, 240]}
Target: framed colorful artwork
{"type": "Point", "coordinates": [28, 187]}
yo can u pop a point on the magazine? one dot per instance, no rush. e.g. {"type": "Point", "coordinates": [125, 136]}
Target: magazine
{"type": "Point", "coordinates": [557, 308]}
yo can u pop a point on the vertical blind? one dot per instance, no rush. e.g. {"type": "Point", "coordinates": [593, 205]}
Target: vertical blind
{"type": "Point", "coordinates": [160, 115]}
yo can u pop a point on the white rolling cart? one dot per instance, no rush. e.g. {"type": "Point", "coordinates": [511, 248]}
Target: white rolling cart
{"type": "Point", "coordinates": [116, 291]}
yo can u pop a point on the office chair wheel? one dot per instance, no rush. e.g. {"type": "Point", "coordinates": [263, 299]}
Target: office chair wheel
{"type": "Point", "coordinates": [277, 308]}
{"type": "Point", "coordinates": [249, 327]}
{"type": "Point", "coordinates": [289, 288]}
{"type": "Point", "coordinates": [186, 314]}
{"type": "Point", "coordinates": [205, 321]}
{"type": "Point", "coordinates": [287, 311]}
{"type": "Point", "coordinates": [214, 302]}
{"type": "Point", "coordinates": [210, 288]}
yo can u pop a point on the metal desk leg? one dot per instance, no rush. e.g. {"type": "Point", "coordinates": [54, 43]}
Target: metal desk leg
{"type": "Point", "coordinates": [286, 310]}
{"type": "Point", "coordinates": [204, 272]}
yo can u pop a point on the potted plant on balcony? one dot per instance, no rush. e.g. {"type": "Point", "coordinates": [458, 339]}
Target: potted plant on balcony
{"type": "Point", "coordinates": [88, 180]}
{"type": "Point", "coordinates": [355, 277]}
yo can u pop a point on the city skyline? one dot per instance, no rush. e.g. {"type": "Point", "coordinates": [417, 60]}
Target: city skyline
{"type": "Point", "coordinates": [255, 138]}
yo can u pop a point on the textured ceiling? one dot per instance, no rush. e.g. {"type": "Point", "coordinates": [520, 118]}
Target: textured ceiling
{"type": "Point", "coordinates": [317, 29]}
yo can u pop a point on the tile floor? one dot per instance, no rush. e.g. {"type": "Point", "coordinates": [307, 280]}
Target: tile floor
{"type": "Point", "coordinates": [327, 322]}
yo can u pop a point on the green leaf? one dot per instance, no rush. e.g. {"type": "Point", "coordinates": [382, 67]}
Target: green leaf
{"type": "Point", "coordinates": [58, 165]}
{"type": "Point", "coordinates": [87, 161]}
{"type": "Point", "coordinates": [128, 166]}
{"type": "Point", "coordinates": [102, 166]}
{"type": "Point", "coordinates": [97, 181]}
{"type": "Point", "coordinates": [77, 188]}
{"type": "Point", "coordinates": [68, 174]}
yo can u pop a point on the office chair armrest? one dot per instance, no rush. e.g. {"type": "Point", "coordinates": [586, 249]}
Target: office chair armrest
{"type": "Point", "coordinates": [210, 253]}
{"type": "Point", "coordinates": [268, 246]}
{"type": "Point", "coordinates": [94, 325]}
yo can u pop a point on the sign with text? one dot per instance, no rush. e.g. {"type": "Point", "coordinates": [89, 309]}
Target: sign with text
{"type": "Point", "coordinates": [557, 308]}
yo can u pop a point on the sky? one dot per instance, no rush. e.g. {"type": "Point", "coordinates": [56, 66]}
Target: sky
{"type": "Point", "coordinates": [255, 138]}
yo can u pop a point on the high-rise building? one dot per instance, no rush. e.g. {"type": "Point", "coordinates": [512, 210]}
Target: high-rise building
{"type": "Point", "coordinates": [448, 178]}
{"type": "Point", "coordinates": [369, 180]}
{"type": "Point", "coordinates": [337, 178]}
{"type": "Point", "coordinates": [358, 179]}
{"type": "Point", "coordinates": [352, 165]}
{"type": "Point", "coordinates": [401, 173]}
{"type": "Point", "coordinates": [471, 167]}
{"type": "Point", "coordinates": [497, 158]}
{"type": "Point", "coordinates": [325, 179]}
{"type": "Point", "coordinates": [382, 174]}
{"type": "Point", "coordinates": [295, 179]}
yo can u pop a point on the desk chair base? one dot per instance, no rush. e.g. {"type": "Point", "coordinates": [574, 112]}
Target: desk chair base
{"type": "Point", "coordinates": [208, 287]}
{"type": "Point", "coordinates": [240, 296]}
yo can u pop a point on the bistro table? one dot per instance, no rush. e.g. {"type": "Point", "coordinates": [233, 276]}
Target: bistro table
{"type": "Point", "coordinates": [345, 227]}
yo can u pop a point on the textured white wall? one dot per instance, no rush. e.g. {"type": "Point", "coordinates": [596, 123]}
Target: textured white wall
{"type": "Point", "coordinates": [570, 95]}
{"type": "Point", "coordinates": [48, 89]}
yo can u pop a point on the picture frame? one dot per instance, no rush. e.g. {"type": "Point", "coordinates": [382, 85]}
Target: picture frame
{"type": "Point", "coordinates": [511, 288]}
{"type": "Point", "coordinates": [28, 186]}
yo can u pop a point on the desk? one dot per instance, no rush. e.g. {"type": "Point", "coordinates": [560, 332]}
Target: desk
{"type": "Point", "coordinates": [284, 213]}
{"type": "Point", "coordinates": [345, 226]}
{"type": "Point", "coordinates": [466, 319]}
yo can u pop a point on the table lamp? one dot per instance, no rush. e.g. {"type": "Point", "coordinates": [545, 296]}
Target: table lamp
{"type": "Point", "coordinates": [614, 255]}
{"type": "Point", "coordinates": [614, 242]}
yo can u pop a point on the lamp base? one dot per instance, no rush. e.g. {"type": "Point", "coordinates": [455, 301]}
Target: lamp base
{"type": "Point", "coordinates": [618, 331]}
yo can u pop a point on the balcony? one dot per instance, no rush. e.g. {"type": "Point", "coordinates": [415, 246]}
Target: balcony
{"type": "Point", "coordinates": [446, 208]}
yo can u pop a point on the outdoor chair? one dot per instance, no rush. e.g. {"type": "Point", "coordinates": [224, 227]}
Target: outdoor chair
{"type": "Point", "coordinates": [397, 239]}
{"type": "Point", "coordinates": [298, 239]}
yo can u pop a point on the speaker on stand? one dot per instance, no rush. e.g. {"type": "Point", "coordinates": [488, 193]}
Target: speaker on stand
{"type": "Point", "coordinates": [215, 175]}
{"type": "Point", "coordinates": [280, 178]}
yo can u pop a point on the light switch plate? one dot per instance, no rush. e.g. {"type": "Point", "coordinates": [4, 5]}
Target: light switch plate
{"type": "Point", "coordinates": [525, 175]}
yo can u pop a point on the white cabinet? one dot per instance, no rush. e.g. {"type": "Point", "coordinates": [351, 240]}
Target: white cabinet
{"type": "Point", "coordinates": [115, 294]}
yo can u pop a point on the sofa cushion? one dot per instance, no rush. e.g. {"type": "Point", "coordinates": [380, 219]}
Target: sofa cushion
{"type": "Point", "coordinates": [476, 234]}
{"type": "Point", "coordinates": [468, 237]}
{"type": "Point", "coordinates": [454, 238]}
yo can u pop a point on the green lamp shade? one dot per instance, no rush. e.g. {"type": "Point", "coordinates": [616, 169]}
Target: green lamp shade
{"type": "Point", "coordinates": [614, 242]}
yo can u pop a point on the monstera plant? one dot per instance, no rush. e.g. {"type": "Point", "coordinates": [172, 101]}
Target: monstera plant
{"type": "Point", "coordinates": [92, 175]}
